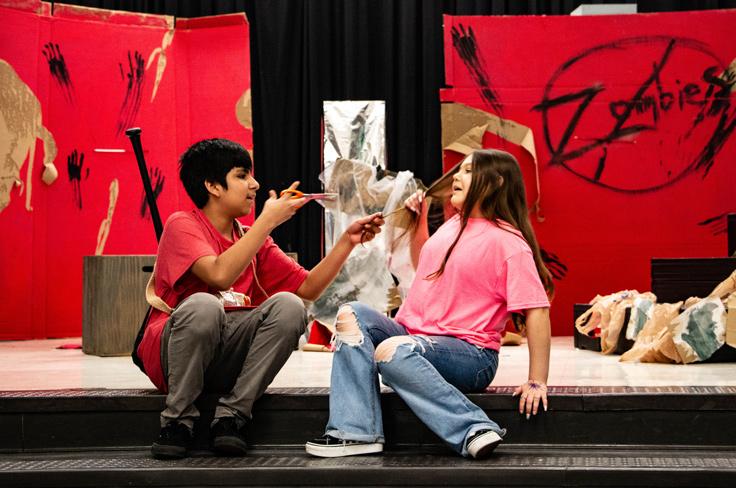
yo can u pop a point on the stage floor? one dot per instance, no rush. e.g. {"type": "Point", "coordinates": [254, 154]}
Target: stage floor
{"type": "Point", "coordinates": [39, 365]}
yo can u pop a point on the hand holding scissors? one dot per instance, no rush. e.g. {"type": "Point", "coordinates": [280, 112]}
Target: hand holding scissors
{"type": "Point", "coordinates": [309, 196]}
{"type": "Point", "coordinates": [278, 210]}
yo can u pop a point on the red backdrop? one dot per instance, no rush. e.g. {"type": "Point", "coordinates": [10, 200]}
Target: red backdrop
{"type": "Point", "coordinates": [632, 118]}
{"type": "Point", "coordinates": [90, 71]}
{"type": "Point", "coordinates": [631, 115]}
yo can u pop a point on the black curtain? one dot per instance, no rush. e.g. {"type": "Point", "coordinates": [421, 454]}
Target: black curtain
{"type": "Point", "coordinates": [307, 51]}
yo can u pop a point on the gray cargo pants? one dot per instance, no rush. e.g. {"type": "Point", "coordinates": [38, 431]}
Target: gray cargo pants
{"type": "Point", "coordinates": [204, 348]}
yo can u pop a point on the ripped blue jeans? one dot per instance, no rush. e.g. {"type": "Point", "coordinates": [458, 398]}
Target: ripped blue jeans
{"type": "Point", "coordinates": [430, 373]}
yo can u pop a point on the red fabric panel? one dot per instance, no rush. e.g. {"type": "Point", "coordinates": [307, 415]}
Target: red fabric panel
{"type": "Point", "coordinates": [646, 163]}
{"type": "Point", "coordinates": [109, 88]}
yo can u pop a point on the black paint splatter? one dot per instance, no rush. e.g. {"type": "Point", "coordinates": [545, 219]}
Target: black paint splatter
{"type": "Point", "coordinates": [467, 48]}
{"type": "Point", "coordinates": [134, 76]}
{"type": "Point", "coordinates": [716, 225]}
{"type": "Point", "coordinates": [720, 107]}
{"type": "Point", "coordinates": [75, 169]}
{"type": "Point", "coordinates": [557, 268]}
{"type": "Point", "coordinates": [715, 104]}
{"type": "Point", "coordinates": [59, 70]}
{"type": "Point", "coordinates": [157, 185]}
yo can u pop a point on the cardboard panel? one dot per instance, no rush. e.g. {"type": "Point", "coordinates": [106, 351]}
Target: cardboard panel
{"type": "Point", "coordinates": [632, 118]}
{"type": "Point", "coordinates": [95, 73]}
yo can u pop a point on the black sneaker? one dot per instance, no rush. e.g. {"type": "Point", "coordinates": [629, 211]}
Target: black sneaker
{"type": "Point", "coordinates": [328, 446]}
{"type": "Point", "coordinates": [172, 442]}
{"type": "Point", "coordinates": [482, 443]}
{"type": "Point", "coordinates": [227, 438]}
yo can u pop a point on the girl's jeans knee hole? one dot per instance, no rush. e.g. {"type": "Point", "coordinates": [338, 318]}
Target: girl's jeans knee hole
{"type": "Point", "coordinates": [346, 328]}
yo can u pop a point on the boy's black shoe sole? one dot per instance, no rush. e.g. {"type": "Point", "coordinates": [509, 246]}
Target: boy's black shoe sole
{"type": "Point", "coordinates": [228, 438]}
{"type": "Point", "coordinates": [172, 442]}
{"type": "Point", "coordinates": [229, 445]}
{"type": "Point", "coordinates": [165, 451]}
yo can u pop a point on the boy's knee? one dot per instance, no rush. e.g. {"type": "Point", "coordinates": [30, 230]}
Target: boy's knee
{"type": "Point", "coordinates": [287, 300]}
{"type": "Point", "coordinates": [386, 350]}
{"type": "Point", "coordinates": [291, 307]}
{"type": "Point", "coordinates": [201, 314]}
{"type": "Point", "coordinates": [201, 304]}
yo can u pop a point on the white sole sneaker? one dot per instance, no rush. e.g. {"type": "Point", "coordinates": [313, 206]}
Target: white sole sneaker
{"type": "Point", "coordinates": [483, 445]}
{"type": "Point", "coordinates": [345, 449]}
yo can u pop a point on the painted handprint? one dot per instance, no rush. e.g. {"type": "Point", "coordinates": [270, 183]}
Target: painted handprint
{"type": "Point", "coordinates": [134, 77]}
{"type": "Point", "coordinates": [75, 168]}
{"type": "Point", "coordinates": [59, 69]}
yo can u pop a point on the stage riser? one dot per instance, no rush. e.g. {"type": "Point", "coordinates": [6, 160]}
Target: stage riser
{"type": "Point", "coordinates": [378, 478]}
{"type": "Point", "coordinates": [507, 467]}
{"type": "Point", "coordinates": [31, 424]}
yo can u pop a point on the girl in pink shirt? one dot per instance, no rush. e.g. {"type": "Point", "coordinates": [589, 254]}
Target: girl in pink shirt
{"type": "Point", "coordinates": [481, 266]}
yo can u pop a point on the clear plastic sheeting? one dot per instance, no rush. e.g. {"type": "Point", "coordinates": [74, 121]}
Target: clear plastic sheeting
{"type": "Point", "coordinates": [367, 274]}
{"type": "Point", "coordinates": [356, 130]}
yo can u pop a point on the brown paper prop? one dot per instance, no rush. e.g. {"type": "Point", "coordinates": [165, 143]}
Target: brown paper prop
{"type": "Point", "coordinates": [607, 312]}
{"type": "Point", "coordinates": [726, 290]}
{"type": "Point", "coordinates": [243, 110]}
{"type": "Point", "coordinates": [463, 128]}
{"type": "Point", "coordinates": [161, 53]}
{"type": "Point", "coordinates": [693, 335]}
{"type": "Point", "coordinates": [700, 330]}
{"type": "Point", "coordinates": [641, 312]}
{"type": "Point", "coordinates": [105, 225]}
{"type": "Point", "coordinates": [654, 342]}
{"type": "Point", "coordinates": [704, 326]}
{"type": "Point", "coordinates": [20, 126]}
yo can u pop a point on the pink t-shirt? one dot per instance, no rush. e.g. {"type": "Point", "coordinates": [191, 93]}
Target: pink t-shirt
{"type": "Point", "coordinates": [187, 237]}
{"type": "Point", "coordinates": [490, 274]}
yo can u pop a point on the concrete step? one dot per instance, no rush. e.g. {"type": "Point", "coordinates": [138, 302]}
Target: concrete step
{"type": "Point", "coordinates": [287, 417]}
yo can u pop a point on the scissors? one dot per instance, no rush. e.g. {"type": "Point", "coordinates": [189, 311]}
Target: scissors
{"type": "Point", "coordinates": [310, 196]}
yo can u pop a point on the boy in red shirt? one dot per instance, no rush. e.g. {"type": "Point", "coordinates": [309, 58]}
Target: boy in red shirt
{"type": "Point", "coordinates": [191, 343]}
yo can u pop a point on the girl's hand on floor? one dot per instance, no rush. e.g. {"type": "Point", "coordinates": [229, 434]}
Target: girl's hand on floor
{"type": "Point", "coordinates": [532, 393]}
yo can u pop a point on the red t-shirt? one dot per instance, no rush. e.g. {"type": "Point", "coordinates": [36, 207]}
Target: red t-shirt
{"type": "Point", "coordinates": [187, 237]}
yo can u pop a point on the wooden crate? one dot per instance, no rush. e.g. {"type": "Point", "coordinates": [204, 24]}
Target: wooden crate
{"type": "Point", "coordinates": [114, 302]}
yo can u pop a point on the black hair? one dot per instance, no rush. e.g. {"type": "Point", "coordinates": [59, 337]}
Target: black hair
{"type": "Point", "coordinates": [210, 160]}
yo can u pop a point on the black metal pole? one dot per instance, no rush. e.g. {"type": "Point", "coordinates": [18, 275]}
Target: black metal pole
{"type": "Point", "coordinates": [134, 134]}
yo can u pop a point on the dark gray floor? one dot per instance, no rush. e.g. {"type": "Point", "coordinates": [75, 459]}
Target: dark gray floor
{"type": "Point", "coordinates": [517, 465]}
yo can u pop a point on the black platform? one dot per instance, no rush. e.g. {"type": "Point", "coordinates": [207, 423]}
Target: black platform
{"type": "Point", "coordinates": [608, 436]}
{"type": "Point", "coordinates": [511, 465]}
{"type": "Point", "coordinates": [675, 279]}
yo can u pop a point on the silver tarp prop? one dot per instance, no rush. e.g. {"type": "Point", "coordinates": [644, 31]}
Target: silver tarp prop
{"type": "Point", "coordinates": [354, 129]}
{"type": "Point", "coordinates": [354, 149]}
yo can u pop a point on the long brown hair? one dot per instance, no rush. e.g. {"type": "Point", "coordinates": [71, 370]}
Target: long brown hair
{"type": "Point", "coordinates": [497, 187]}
